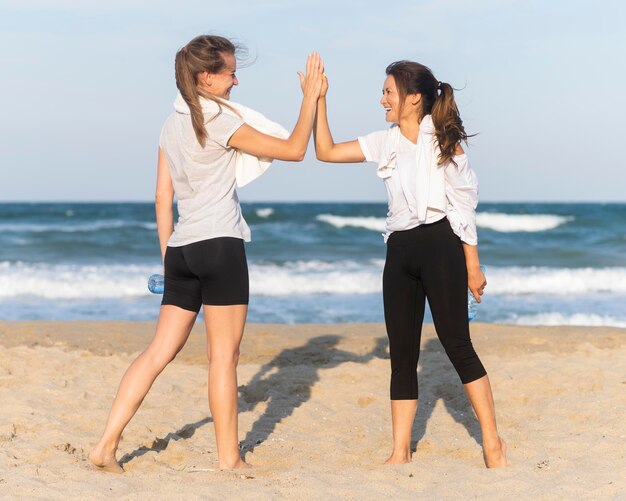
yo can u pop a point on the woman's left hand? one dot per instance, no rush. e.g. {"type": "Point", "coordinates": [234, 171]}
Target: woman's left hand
{"type": "Point", "coordinates": [476, 281]}
{"type": "Point", "coordinates": [314, 77]}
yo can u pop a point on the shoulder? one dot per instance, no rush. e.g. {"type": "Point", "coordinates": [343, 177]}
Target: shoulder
{"type": "Point", "coordinates": [373, 144]}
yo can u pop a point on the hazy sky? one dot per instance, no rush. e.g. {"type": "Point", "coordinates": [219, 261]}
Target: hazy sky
{"type": "Point", "coordinates": [86, 86]}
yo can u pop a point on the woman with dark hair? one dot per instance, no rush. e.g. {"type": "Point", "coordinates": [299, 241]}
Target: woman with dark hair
{"type": "Point", "coordinates": [431, 239]}
{"type": "Point", "coordinates": [207, 147]}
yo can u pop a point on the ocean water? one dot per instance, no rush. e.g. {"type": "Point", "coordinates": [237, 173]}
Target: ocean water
{"type": "Point", "coordinates": [547, 264]}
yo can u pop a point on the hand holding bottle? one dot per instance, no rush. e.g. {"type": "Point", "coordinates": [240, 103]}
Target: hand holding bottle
{"type": "Point", "coordinates": [472, 303]}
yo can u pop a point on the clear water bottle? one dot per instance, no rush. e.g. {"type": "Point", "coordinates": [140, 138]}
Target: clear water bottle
{"type": "Point", "coordinates": [156, 284]}
{"type": "Point", "coordinates": [472, 304]}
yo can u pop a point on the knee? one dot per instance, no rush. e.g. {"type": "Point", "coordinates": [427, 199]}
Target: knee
{"type": "Point", "coordinates": [158, 359]}
{"type": "Point", "coordinates": [461, 353]}
{"type": "Point", "coordinates": [465, 361]}
{"type": "Point", "coordinates": [223, 357]}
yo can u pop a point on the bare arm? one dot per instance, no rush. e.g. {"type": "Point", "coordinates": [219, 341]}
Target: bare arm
{"type": "Point", "coordinates": [325, 148]}
{"type": "Point", "coordinates": [164, 200]}
{"type": "Point", "coordinates": [256, 143]}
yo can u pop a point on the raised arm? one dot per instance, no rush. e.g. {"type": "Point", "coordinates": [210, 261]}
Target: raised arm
{"type": "Point", "coordinates": [325, 148]}
{"type": "Point", "coordinates": [164, 203]}
{"type": "Point", "coordinates": [256, 143]}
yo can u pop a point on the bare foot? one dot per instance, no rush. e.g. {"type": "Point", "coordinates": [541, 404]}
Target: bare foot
{"type": "Point", "coordinates": [399, 458]}
{"type": "Point", "coordinates": [236, 465]}
{"type": "Point", "coordinates": [104, 461]}
{"type": "Point", "coordinates": [496, 456]}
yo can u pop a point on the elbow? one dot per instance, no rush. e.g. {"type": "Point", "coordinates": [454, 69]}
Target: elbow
{"type": "Point", "coordinates": [298, 155]}
{"type": "Point", "coordinates": [320, 154]}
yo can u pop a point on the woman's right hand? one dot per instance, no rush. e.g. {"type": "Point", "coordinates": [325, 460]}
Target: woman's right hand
{"type": "Point", "coordinates": [324, 89]}
{"type": "Point", "coordinates": [311, 82]}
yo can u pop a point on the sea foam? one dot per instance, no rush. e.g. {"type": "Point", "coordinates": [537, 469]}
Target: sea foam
{"type": "Point", "coordinates": [509, 223]}
{"type": "Point", "coordinates": [556, 318]}
{"type": "Point", "coordinates": [504, 223]}
{"type": "Point", "coordinates": [64, 281]}
{"type": "Point", "coordinates": [369, 223]}
{"type": "Point", "coordinates": [111, 281]}
{"type": "Point", "coordinates": [73, 281]}
{"type": "Point", "coordinates": [74, 228]}
{"type": "Point", "coordinates": [265, 212]}
{"type": "Point", "coordinates": [559, 281]}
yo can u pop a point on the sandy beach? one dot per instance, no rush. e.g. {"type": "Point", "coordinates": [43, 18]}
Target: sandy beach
{"type": "Point", "coordinates": [314, 415]}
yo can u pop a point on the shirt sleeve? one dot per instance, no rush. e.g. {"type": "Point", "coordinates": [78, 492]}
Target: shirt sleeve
{"type": "Point", "coordinates": [221, 127]}
{"type": "Point", "coordinates": [462, 195]}
{"type": "Point", "coordinates": [372, 145]}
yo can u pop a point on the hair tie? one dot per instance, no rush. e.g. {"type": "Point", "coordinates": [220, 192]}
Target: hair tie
{"type": "Point", "coordinates": [439, 84]}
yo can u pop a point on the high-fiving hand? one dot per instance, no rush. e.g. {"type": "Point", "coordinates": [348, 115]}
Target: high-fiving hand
{"type": "Point", "coordinates": [313, 80]}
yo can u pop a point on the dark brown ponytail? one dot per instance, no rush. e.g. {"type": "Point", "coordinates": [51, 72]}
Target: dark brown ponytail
{"type": "Point", "coordinates": [437, 100]}
{"type": "Point", "coordinates": [203, 54]}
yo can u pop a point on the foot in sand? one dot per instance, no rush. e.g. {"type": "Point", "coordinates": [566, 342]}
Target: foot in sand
{"type": "Point", "coordinates": [234, 465]}
{"type": "Point", "coordinates": [104, 461]}
{"type": "Point", "coordinates": [399, 457]}
{"type": "Point", "coordinates": [495, 457]}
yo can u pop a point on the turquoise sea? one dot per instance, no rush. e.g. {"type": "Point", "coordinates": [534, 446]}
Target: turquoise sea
{"type": "Point", "coordinates": [547, 264]}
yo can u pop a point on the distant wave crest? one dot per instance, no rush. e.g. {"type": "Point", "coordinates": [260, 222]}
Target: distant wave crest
{"type": "Point", "coordinates": [509, 223]}
{"type": "Point", "coordinates": [73, 281]}
{"type": "Point", "coordinates": [64, 281]}
{"type": "Point", "coordinates": [265, 212]}
{"type": "Point", "coordinates": [505, 223]}
{"type": "Point", "coordinates": [560, 281]}
{"type": "Point", "coordinates": [118, 281]}
{"type": "Point", "coordinates": [75, 227]}
{"type": "Point", "coordinates": [369, 223]}
{"type": "Point", "coordinates": [556, 318]}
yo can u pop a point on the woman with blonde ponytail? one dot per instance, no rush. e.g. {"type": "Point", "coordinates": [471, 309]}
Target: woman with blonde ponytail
{"type": "Point", "coordinates": [431, 239]}
{"type": "Point", "coordinates": [208, 146]}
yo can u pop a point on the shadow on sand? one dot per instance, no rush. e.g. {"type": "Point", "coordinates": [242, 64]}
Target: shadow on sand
{"type": "Point", "coordinates": [160, 444]}
{"type": "Point", "coordinates": [445, 386]}
{"type": "Point", "coordinates": [300, 368]}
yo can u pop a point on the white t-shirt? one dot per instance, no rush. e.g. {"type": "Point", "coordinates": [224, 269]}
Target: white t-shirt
{"type": "Point", "coordinates": [460, 181]}
{"type": "Point", "coordinates": [203, 179]}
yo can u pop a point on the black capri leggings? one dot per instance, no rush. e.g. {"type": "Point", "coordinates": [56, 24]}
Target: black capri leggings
{"type": "Point", "coordinates": [212, 272]}
{"type": "Point", "coordinates": [426, 262]}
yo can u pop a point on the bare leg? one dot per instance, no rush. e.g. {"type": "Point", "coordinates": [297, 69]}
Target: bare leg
{"type": "Point", "coordinates": [224, 327]}
{"type": "Point", "coordinates": [402, 416]}
{"type": "Point", "coordinates": [481, 397]}
{"type": "Point", "coordinates": [172, 331]}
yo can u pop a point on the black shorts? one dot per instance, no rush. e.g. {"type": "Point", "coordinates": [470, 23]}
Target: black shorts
{"type": "Point", "coordinates": [211, 272]}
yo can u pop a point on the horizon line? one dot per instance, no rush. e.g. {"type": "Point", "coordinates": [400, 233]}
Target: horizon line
{"type": "Point", "coordinates": [144, 201]}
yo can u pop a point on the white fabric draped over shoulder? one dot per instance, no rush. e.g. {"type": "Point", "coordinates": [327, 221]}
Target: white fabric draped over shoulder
{"type": "Point", "coordinates": [205, 177]}
{"type": "Point", "coordinates": [422, 191]}
{"type": "Point", "coordinates": [247, 167]}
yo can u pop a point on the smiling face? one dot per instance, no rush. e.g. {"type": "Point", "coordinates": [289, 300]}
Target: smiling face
{"type": "Point", "coordinates": [220, 84]}
{"type": "Point", "coordinates": [392, 102]}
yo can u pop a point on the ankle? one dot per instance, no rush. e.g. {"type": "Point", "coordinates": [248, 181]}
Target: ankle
{"type": "Point", "coordinates": [402, 451]}
{"type": "Point", "coordinates": [106, 447]}
{"type": "Point", "coordinates": [491, 441]}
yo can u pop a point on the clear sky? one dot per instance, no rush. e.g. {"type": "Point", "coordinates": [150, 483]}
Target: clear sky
{"type": "Point", "coordinates": [86, 86]}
